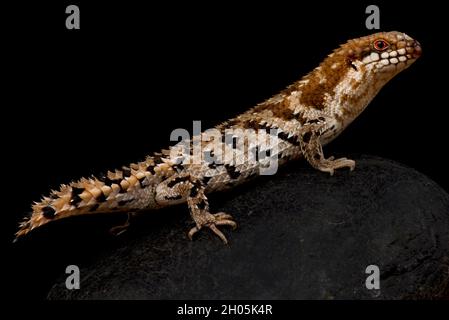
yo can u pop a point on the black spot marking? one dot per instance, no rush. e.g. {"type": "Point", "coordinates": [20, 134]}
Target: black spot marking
{"type": "Point", "coordinates": [123, 202]}
{"type": "Point", "coordinates": [206, 180]}
{"type": "Point", "coordinates": [293, 139]}
{"type": "Point", "coordinates": [232, 171]}
{"type": "Point", "coordinates": [143, 182]}
{"type": "Point", "coordinates": [283, 136]}
{"type": "Point", "coordinates": [306, 137]}
{"type": "Point", "coordinates": [126, 172]}
{"type": "Point", "coordinates": [75, 196]}
{"type": "Point", "coordinates": [201, 205]}
{"type": "Point", "coordinates": [194, 191]}
{"type": "Point", "coordinates": [120, 187]}
{"type": "Point", "coordinates": [150, 169]}
{"type": "Point", "coordinates": [177, 180]}
{"type": "Point", "coordinates": [196, 188]}
{"type": "Point", "coordinates": [101, 198]}
{"type": "Point", "coordinates": [108, 182]}
{"type": "Point", "coordinates": [212, 165]}
{"type": "Point", "coordinates": [198, 184]}
{"type": "Point", "coordinates": [317, 156]}
{"type": "Point", "coordinates": [116, 181]}
{"type": "Point", "coordinates": [48, 212]}
{"type": "Point", "coordinates": [102, 177]}
{"type": "Point", "coordinates": [178, 167]}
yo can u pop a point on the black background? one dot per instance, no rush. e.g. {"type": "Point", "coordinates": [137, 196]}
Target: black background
{"type": "Point", "coordinates": [77, 102]}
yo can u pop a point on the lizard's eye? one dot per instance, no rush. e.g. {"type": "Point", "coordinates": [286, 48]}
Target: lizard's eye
{"type": "Point", "coordinates": [381, 45]}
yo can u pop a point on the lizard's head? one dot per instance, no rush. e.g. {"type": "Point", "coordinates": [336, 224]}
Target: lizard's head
{"type": "Point", "coordinates": [348, 79]}
{"type": "Point", "coordinates": [383, 54]}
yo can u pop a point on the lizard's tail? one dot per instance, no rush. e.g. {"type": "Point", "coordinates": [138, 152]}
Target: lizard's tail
{"type": "Point", "coordinates": [81, 197]}
{"type": "Point", "coordinates": [112, 192]}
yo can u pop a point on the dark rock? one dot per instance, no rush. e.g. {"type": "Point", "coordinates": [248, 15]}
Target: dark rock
{"type": "Point", "coordinates": [302, 235]}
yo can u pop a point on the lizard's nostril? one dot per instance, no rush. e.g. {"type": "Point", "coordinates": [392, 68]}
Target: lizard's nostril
{"type": "Point", "coordinates": [417, 52]}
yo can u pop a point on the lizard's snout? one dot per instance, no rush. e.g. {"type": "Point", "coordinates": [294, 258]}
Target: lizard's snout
{"type": "Point", "coordinates": [417, 51]}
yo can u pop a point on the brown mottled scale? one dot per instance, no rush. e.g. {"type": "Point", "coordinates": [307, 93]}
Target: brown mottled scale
{"type": "Point", "coordinates": [308, 114]}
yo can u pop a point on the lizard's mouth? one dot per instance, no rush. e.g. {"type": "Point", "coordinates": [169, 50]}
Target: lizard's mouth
{"type": "Point", "coordinates": [408, 54]}
{"type": "Point", "coordinates": [416, 50]}
{"type": "Point", "coordinates": [398, 59]}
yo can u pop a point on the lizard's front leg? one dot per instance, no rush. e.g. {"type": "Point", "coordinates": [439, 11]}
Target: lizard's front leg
{"type": "Point", "coordinates": [312, 148]}
{"type": "Point", "coordinates": [186, 188]}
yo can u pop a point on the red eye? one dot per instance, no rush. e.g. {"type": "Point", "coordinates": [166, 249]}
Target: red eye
{"type": "Point", "coordinates": [381, 45]}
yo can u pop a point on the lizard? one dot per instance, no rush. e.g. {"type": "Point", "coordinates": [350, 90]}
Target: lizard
{"type": "Point", "coordinates": [306, 115]}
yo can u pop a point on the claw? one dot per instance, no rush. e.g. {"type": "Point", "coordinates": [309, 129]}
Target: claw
{"type": "Point", "coordinates": [222, 216]}
{"type": "Point", "coordinates": [214, 229]}
{"type": "Point", "coordinates": [227, 223]}
{"type": "Point", "coordinates": [118, 230]}
{"type": "Point", "coordinates": [218, 219]}
{"type": "Point", "coordinates": [192, 232]}
{"type": "Point", "coordinates": [330, 165]}
{"type": "Point", "coordinates": [218, 233]}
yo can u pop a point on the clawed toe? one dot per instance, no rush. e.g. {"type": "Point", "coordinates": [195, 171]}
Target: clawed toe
{"type": "Point", "coordinates": [218, 232]}
{"type": "Point", "coordinates": [227, 223]}
{"type": "Point", "coordinates": [218, 219]}
{"type": "Point", "coordinates": [222, 216]}
{"type": "Point", "coordinates": [330, 165]}
{"type": "Point", "coordinates": [214, 229]}
{"type": "Point", "coordinates": [118, 230]}
{"type": "Point", "coordinates": [192, 232]}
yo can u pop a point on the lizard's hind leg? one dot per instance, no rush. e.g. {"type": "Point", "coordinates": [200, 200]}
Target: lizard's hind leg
{"type": "Point", "coordinates": [180, 188]}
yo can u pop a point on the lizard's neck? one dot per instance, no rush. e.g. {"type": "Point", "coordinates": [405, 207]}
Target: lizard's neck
{"type": "Point", "coordinates": [341, 89]}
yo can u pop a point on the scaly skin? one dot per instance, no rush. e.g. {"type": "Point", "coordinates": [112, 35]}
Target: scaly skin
{"type": "Point", "coordinates": [307, 115]}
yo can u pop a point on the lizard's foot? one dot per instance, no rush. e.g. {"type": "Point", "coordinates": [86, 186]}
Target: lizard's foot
{"type": "Point", "coordinates": [330, 165]}
{"type": "Point", "coordinates": [193, 189]}
{"type": "Point", "coordinates": [211, 221]}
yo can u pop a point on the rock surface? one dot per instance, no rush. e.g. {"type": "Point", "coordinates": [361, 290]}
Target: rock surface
{"type": "Point", "coordinates": [302, 235]}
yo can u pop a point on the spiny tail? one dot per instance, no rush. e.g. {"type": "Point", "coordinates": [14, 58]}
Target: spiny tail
{"type": "Point", "coordinates": [112, 192]}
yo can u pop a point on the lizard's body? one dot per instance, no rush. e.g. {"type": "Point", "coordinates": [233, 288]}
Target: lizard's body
{"type": "Point", "coordinates": [307, 115]}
